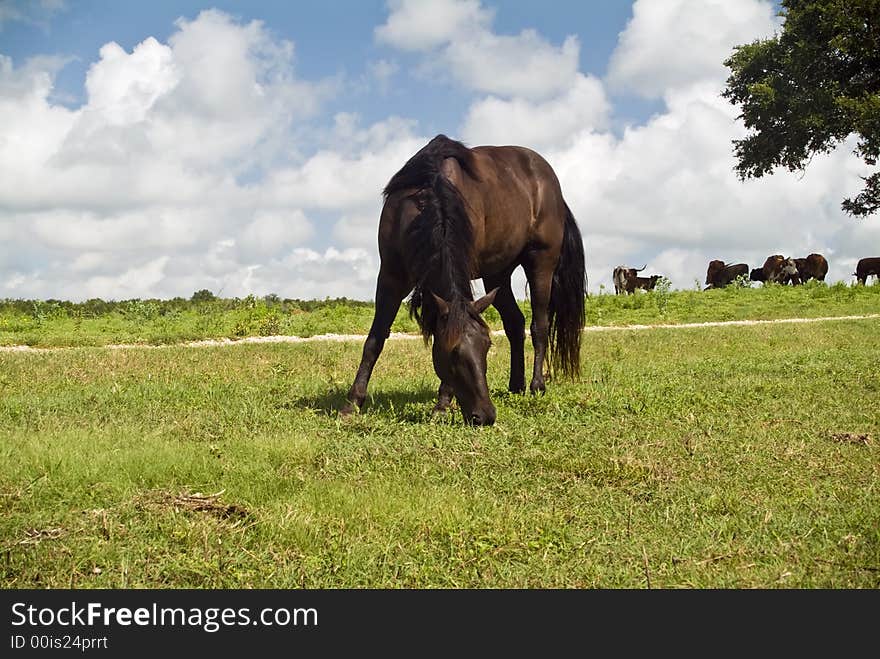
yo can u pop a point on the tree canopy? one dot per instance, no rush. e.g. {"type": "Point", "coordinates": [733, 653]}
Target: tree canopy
{"type": "Point", "coordinates": [203, 295]}
{"type": "Point", "coordinates": [809, 88]}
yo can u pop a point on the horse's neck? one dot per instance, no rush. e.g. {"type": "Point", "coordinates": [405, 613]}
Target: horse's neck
{"type": "Point", "coordinates": [445, 284]}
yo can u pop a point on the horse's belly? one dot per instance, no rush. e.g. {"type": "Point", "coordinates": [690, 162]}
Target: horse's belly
{"type": "Point", "coordinates": [493, 267]}
{"type": "Point", "coordinates": [505, 250]}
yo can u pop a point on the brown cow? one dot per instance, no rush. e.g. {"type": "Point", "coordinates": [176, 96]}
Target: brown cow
{"type": "Point", "coordinates": [622, 278]}
{"type": "Point", "coordinates": [645, 283]}
{"type": "Point", "coordinates": [719, 275]}
{"type": "Point", "coordinates": [814, 266]}
{"type": "Point", "coordinates": [780, 270]}
{"type": "Point", "coordinates": [866, 267]}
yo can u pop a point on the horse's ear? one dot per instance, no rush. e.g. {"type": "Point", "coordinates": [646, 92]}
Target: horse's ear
{"type": "Point", "coordinates": [483, 303]}
{"type": "Point", "coordinates": [442, 305]}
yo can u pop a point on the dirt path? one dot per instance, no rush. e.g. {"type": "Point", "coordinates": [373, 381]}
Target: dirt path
{"type": "Point", "coordinates": [207, 343]}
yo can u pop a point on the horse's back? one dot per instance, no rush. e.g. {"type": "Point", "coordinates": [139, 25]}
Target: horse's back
{"type": "Point", "coordinates": [516, 164]}
{"type": "Point", "coordinates": [519, 202]}
{"type": "Point", "coordinates": [514, 201]}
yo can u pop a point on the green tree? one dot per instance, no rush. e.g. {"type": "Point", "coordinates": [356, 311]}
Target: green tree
{"type": "Point", "coordinates": [809, 88]}
{"type": "Point", "coordinates": [203, 295]}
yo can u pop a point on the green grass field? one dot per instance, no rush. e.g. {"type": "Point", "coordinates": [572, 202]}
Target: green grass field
{"type": "Point", "coordinates": [719, 457]}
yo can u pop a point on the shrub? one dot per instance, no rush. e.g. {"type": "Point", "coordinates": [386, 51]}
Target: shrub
{"type": "Point", "coordinates": [742, 281]}
{"type": "Point", "coordinates": [661, 294]}
{"type": "Point", "coordinates": [203, 295]}
{"type": "Point", "coordinates": [140, 310]}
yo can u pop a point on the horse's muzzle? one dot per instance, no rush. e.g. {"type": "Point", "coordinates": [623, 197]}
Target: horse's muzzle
{"type": "Point", "coordinates": [484, 418]}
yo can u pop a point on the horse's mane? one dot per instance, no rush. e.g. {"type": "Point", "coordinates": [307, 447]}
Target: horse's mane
{"type": "Point", "coordinates": [439, 242]}
{"type": "Point", "coordinates": [425, 164]}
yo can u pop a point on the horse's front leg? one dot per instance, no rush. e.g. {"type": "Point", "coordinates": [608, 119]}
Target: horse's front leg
{"type": "Point", "coordinates": [444, 398]}
{"type": "Point", "coordinates": [514, 327]}
{"type": "Point", "coordinates": [389, 294]}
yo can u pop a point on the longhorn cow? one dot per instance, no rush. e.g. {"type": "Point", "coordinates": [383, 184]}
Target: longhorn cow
{"type": "Point", "coordinates": [719, 274]}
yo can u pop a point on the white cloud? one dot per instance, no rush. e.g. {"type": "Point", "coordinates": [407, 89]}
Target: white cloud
{"type": "Point", "coordinates": [524, 65]}
{"type": "Point", "coordinates": [272, 232]}
{"type": "Point", "coordinates": [30, 127]}
{"type": "Point", "coordinates": [308, 274]}
{"type": "Point", "coordinates": [165, 122]}
{"type": "Point", "coordinates": [122, 87]}
{"type": "Point", "coordinates": [331, 179]}
{"type": "Point", "coordinates": [136, 282]}
{"type": "Point", "coordinates": [226, 66]}
{"type": "Point", "coordinates": [156, 228]}
{"type": "Point", "coordinates": [541, 124]}
{"type": "Point", "coordinates": [357, 230]}
{"type": "Point", "coordinates": [427, 24]}
{"type": "Point", "coordinates": [135, 191]}
{"type": "Point", "coordinates": [671, 43]}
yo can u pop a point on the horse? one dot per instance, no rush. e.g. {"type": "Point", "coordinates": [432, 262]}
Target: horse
{"type": "Point", "coordinates": [452, 214]}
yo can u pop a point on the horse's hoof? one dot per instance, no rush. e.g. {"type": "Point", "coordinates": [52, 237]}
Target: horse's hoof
{"type": "Point", "coordinates": [347, 411]}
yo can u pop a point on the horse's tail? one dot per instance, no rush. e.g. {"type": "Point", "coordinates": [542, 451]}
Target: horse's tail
{"type": "Point", "coordinates": [567, 316]}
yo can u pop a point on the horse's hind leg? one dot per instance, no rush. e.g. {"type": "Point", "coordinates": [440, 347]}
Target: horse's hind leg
{"type": "Point", "coordinates": [514, 328]}
{"type": "Point", "coordinates": [539, 271]}
{"type": "Point", "coordinates": [389, 294]}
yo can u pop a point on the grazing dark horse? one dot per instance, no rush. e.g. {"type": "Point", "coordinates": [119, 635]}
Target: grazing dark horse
{"type": "Point", "coordinates": [453, 214]}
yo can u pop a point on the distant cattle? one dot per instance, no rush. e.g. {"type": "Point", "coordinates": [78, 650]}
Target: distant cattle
{"type": "Point", "coordinates": [757, 274]}
{"type": "Point", "coordinates": [645, 283]}
{"type": "Point", "coordinates": [867, 267]}
{"type": "Point", "coordinates": [814, 266]}
{"type": "Point", "coordinates": [780, 270]}
{"type": "Point", "coordinates": [719, 274]}
{"type": "Point", "coordinates": [623, 277]}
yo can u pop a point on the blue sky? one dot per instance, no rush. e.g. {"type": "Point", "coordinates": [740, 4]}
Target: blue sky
{"type": "Point", "coordinates": [154, 149]}
{"type": "Point", "coordinates": [330, 39]}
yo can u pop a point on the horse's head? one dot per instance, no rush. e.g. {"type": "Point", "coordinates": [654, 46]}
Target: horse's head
{"type": "Point", "coordinates": [461, 343]}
